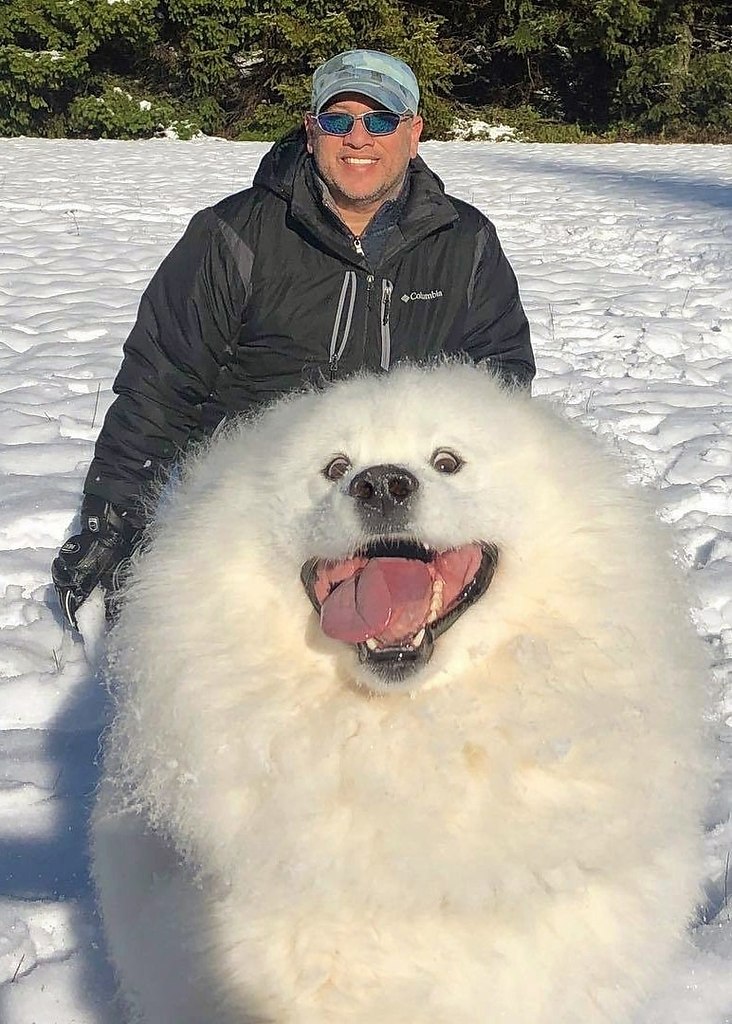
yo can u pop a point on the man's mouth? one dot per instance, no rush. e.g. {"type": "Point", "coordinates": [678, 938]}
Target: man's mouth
{"type": "Point", "coordinates": [394, 598]}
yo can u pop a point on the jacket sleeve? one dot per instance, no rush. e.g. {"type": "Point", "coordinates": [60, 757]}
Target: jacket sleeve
{"type": "Point", "coordinates": [188, 317]}
{"type": "Point", "coordinates": [496, 328]}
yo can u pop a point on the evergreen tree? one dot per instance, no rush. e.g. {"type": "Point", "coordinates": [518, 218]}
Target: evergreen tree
{"type": "Point", "coordinates": [51, 49]}
{"type": "Point", "coordinates": [654, 64]}
{"type": "Point", "coordinates": [242, 68]}
{"type": "Point", "coordinates": [257, 56]}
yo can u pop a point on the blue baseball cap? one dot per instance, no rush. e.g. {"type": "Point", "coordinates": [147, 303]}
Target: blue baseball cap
{"type": "Point", "coordinates": [383, 78]}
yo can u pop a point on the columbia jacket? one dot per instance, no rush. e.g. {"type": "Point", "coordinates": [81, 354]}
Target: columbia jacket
{"type": "Point", "coordinates": [268, 290]}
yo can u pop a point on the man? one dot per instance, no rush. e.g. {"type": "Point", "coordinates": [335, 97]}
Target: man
{"type": "Point", "coordinates": [345, 254]}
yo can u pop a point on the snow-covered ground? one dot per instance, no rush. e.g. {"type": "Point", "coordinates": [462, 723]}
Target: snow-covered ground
{"type": "Point", "coordinates": [624, 255]}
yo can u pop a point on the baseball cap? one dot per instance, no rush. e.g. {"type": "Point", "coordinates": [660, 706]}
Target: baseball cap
{"type": "Point", "coordinates": [381, 77]}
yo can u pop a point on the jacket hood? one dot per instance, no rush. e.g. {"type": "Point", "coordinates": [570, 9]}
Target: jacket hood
{"type": "Point", "coordinates": [288, 157]}
{"type": "Point", "coordinates": [283, 163]}
{"type": "Point", "coordinates": [287, 170]}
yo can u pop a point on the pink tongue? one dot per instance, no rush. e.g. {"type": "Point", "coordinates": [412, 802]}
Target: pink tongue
{"type": "Point", "coordinates": [389, 599]}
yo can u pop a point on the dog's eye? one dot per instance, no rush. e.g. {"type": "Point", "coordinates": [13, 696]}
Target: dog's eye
{"type": "Point", "coordinates": [445, 461]}
{"type": "Point", "coordinates": [337, 468]}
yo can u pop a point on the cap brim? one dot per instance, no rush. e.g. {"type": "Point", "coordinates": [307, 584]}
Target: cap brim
{"type": "Point", "coordinates": [378, 93]}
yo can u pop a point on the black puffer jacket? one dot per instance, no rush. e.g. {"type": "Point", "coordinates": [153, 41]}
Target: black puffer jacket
{"type": "Point", "coordinates": [268, 290]}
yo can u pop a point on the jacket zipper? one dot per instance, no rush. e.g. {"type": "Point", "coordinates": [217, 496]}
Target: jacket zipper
{"type": "Point", "coordinates": [347, 296]}
{"type": "Point", "coordinates": [336, 351]}
{"type": "Point", "coordinates": [387, 288]}
{"type": "Point", "coordinates": [367, 310]}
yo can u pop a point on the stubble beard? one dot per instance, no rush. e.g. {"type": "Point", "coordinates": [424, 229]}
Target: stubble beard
{"type": "Point", "coordinates": [358, 201]}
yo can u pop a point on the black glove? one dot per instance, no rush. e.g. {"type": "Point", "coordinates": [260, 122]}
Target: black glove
{"type": "Point", "coordinates": [94, 556]}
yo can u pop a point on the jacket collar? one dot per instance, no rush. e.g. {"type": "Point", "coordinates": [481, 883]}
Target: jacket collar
{"type": "Point", "coordinates": [288, 171]}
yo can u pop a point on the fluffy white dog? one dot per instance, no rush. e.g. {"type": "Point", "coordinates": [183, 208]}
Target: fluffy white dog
{"type": "Point", "coordinates": [407, 726]}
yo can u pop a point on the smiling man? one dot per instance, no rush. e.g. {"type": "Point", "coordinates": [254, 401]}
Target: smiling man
{"type": "Point", "coordinates": [363, 131]}
{"type": "Point", "coordinates": [345, 254]}
{"type": "Point", "coordinates": [362, 168]}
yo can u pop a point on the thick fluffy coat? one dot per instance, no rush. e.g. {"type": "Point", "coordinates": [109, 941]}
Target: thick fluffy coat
{"type": "Point", "coordinates": [509, 833]}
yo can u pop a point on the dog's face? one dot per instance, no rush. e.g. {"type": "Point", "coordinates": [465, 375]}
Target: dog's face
{"type": "Point", "coordinates": [394, 506]}
{"type": "Point", "coordinates": [395, 594]}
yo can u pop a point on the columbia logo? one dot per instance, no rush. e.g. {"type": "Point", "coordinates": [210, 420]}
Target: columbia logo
{"type": "Point", "coordinates": [412, 296]}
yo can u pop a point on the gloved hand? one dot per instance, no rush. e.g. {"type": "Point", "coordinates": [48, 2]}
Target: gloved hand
{"type": "Point", "coordinates": [94, 556]}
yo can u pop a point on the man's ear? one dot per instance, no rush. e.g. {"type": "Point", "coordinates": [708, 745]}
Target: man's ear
{"type": "Point", "coordinates": [309, 130]}
{"type": "Point", "coordinates": [416, 131]}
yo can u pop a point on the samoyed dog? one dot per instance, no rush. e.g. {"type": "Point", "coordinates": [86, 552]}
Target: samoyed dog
{"type": "Point", "coordinates": [407, 723]}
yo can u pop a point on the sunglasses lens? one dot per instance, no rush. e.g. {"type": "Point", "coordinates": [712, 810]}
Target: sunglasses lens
{"type": "Point", "coordinates": [335, 124]}
{"type": "Point", "coordinates": [381, 122]}
{"type": "Point", "coordinates": [376, 122]}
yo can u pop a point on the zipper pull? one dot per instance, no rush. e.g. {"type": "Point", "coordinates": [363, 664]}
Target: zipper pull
{"type": "Point", "coordinates": [387, 307]}
{"type": "Point", "coordinates": [357, 246]}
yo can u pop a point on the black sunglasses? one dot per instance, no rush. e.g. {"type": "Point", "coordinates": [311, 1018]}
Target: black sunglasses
{"type": "Point", "coordinates": [376, 122]}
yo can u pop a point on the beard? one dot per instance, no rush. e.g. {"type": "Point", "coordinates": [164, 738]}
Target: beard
{"type": "Point", "coordinates": [389, 189]}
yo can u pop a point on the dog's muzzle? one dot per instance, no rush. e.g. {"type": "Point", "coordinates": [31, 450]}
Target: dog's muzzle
{"type": "Point", "coordinates": [385, 497]}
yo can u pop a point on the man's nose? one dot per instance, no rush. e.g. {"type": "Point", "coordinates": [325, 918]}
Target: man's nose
{"type": "Point", "coordinates": [358, 136]}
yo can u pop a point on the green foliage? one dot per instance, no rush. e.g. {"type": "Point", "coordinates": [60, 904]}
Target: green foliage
{"type": "Point", "coordinates": [555, 69]}
{"type": "Point", "coordinates": [50, 49]}
{"type": "Point", "coordinates": [205, 38]}
{"type": "Point", "coordinates": [604, 62]}
{"type": "Point", "coordinates": [118, 114]}
{"type": "Point", "coordinates": [31, 83]}
{"type": "Point", "coordinates": [708, 93]}
{"type": "Point", "coordinates": [294, 38]}
{"type": "Point", "coordinates": [665, 91]}
{"type": "Point", "coordinates": [529, 125]}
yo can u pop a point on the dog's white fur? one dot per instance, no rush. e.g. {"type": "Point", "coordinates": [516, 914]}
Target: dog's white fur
{"type": "Point", "coordinates": [514, 839]}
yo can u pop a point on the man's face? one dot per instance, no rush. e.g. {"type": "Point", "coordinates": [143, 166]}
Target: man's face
{"type": "Point", "coordinates": [362, 171]}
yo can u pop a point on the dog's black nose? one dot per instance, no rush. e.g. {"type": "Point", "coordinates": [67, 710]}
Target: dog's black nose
{"type": "Point", "coordinates": [386, 491]}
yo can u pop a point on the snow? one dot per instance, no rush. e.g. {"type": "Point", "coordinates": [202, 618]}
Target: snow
{"type": "Point", "coordinates": [624, 256]}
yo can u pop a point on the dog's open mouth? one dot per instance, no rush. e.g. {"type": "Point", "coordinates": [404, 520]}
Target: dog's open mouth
{"type": "Point", "coordinates": [393, 598]}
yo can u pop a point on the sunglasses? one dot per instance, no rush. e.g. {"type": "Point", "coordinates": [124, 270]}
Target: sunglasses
{"type": "Point", "coordinates": [376, 122]}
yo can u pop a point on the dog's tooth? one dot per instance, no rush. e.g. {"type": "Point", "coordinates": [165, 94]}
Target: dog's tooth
{"type": "Point", "coordinates": [418, 638]}
{"type": "Point", "coordinates": [438, 587]}
{"type": "Point", "coordinates": [372, 644]}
